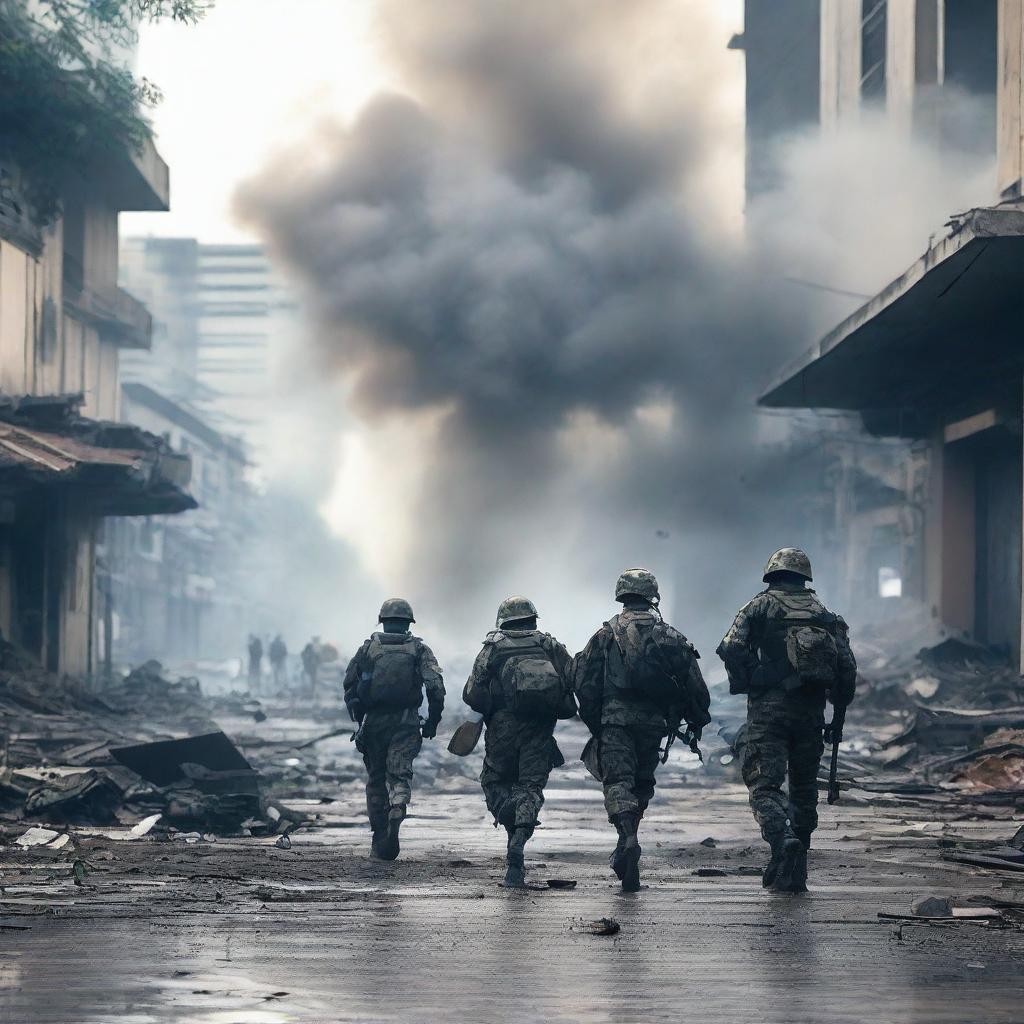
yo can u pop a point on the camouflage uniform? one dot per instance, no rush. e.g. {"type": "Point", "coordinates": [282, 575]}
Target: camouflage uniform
{"type": "Point", "coordinates": [519, 753]}
{"type": "Point", "coordinates": [627, 728]}
{"type": "Point", "coordinates": [390, 738]}
{"type": "Point", "coordinates": [785, 720]}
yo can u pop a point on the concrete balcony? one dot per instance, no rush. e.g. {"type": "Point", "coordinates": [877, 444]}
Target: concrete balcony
{"type": "Point", "coordinates": [115, 313]}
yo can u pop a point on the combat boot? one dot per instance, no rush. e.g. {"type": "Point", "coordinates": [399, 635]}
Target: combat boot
{"type": "Point", "coordinates": [771, 869]}
{"type": "Point", "coordinates": [800, 874]}
{"type": "Point", "coordinates": [615, 859]}
{"type": "Point", "coordinates": [792, 873]}
{"type": "Point", "coordinates": [629, 859]}
{"type": "Point", "coordinates": [378, 844]}
{"type": "Point", "coordinates": [389, 846]}
{"type": "Point", "coordinates": [515, 875]}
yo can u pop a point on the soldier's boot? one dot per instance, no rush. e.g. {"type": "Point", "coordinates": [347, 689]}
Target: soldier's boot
{"type": "Point", "coordinates": [390, 846]}
{"type": "Point", "coordinates": [630, 857]}
{"type": "Point", "coordinates": [515, 873]}
{"type": "Point", "coordinates": [615, 859]}
{"type": "Point", "coordinates": [771, 869]}
{"type": "Point", "coordinates": [792, 874]}
{"type": "Point", "coordinates": [800, 874]}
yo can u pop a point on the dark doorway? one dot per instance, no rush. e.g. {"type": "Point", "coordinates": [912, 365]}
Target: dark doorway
{"type": "Point", "coordinates": [998, 481]}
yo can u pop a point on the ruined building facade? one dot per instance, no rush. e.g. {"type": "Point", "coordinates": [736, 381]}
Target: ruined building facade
{"type": "Point", "coordinates": [933, 360]}
{"type": "Point", "coordinates": [65, 464]}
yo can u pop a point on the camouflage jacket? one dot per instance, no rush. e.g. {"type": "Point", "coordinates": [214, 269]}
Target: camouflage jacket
{"type": "Point", "coordinates": [742, 648]}
{"type": "Point", "coordinates": [430, 677]}
{"type": "Point", "coordinates": [603, 703]}
{"type": "Point", "coordinates": [482, 689]}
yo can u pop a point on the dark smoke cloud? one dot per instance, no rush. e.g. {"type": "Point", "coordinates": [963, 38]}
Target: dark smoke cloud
{"type": "Point", "coordinates": [525, 245]}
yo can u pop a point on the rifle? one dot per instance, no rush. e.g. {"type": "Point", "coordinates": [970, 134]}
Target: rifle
{"type": "Point", "coordinates": [688, 736]}
{"type": "Point", "coordinates": [834, 735]}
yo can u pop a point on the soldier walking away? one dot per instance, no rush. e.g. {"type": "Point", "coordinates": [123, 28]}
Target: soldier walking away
{"type": "Point", "coordinates": [311, 665]}
{"type": "Point", "coordinates": [636, 681]}
{"type": "Point", "coordinates": [521, 683]}
{"type": "Point", "coordinates": [278, 660]}
{"type": "Point", "coordinates": [384, 686]}
{"type": "Point", "coordinates": [789, 654]}
{"type": "Point", "coordinates": [255, 662]}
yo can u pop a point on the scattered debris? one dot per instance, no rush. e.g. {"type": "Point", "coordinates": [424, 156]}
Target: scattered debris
{"type": "Point", "coordinates": [710, 872]}
{"type": "Point", "coordinates": [603, 926]}
{"type": "Point", "coordinates": [932, 906]}
{"type": "Point", "coordinates": [561, 883]}
{"type": "Point", "coordinates": [283, 843]}
{"type": "Point", "coordinates": [36, 836]}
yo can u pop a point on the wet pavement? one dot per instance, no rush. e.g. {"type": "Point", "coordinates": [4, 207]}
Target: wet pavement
{"type": "Point", "coordinates": [238, 930]}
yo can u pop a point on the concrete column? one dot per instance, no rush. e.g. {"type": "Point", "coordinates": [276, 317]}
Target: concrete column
{"type": "Point", "coordinates": [901, 59]}
{"type": "Point", "coordinates": [1009, 136]}
{"type": "Point", "coordinates": [840, 60]}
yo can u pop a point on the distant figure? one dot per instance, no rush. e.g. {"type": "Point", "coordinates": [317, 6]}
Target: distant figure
{"type": "Point", "coordinates": [789, 654]}
{"type": "Point", "coordinates": [278, 658]}
{"type": "Point", "coordinates": [521, 683]}
{"type": "Point", "coordinates": [384, 687]}
{"type": "Point", "coordinates": [311, 664]}
{"type": "Point", "coordinates": [255, 661]}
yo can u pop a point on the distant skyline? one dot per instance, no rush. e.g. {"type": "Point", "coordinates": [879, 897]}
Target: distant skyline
{"type": "Point", "coordinates": [250, 76]}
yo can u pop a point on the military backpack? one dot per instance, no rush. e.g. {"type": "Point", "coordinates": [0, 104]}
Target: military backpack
{"type": "Point", "coordinates": [531, 686]}
{"type": "Point", "coordinates": [392, 681]}
{"type": "Point", "coordinates": [650, 659]}
{"type": "Point", "coordinates": [803, 644]}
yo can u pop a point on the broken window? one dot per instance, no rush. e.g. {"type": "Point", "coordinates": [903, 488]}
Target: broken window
{"type": "Point", "coordinates": [872, 49]}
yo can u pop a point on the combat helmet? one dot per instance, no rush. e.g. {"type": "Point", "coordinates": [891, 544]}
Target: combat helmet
{"type": "Point", "coordinates": [788, 560]}
{"type": "Point", "coordinates": [513, 608]}
{"type": "Point", "coordinates": [396, 608]}
{"type": "Point", "coordinates": [637, 583]}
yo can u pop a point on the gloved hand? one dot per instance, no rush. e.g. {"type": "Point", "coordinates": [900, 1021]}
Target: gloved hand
{"type": "Point", "coordinates": [429, 729]}
{"type": "Point", "coordinates": [355, 710]}
{"type": "Point", "coordinates": [833, 733]}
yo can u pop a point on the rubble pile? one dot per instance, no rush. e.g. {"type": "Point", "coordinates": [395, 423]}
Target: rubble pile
{"type": "Point", "coordinates": [145, 748]}
{"type": "Point", "coordinates": [948, 719]}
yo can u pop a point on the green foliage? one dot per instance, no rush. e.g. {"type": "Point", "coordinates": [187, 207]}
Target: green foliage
{"type": "Point", "coordinates": [64, 100]}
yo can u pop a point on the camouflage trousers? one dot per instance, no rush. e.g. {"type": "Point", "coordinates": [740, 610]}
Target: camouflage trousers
{"type": "Point", "coordinates": [389, 743]}
{"type": "Point", "coordinates": [517, 763]}
{"type": "Point", "coordinates": [783, 737]}
{"type": "Point", "coordinates": [628, 756]}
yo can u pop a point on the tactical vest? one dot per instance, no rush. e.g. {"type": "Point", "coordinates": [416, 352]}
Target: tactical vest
{"type": "Point", "coordinates": [391, 679]}
{"type": "Point", "coordinates": [799, 648]}
{"type": "Point", "coordinates": [647, 659]}
{"type": "Point", "coordinates": [524, 679]}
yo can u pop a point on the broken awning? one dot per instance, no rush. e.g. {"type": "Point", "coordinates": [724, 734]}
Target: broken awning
{"type": "Point", "coordinates": [119, 480]}
{"type": "Point", "coordinates": [947, 329]}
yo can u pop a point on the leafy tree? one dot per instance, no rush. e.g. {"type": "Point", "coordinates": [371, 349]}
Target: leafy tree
{"type": "Point", "coordinates": [64, 98]}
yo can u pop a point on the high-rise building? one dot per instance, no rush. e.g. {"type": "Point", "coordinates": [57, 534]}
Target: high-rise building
{"type": "Point", "coordinates": [217, 311]}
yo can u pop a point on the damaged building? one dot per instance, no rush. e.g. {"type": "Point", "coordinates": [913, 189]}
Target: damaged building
{"type": "Point", "coordinates": [65, 463]}
{"type": "Point", "coordinates": [933, 359]}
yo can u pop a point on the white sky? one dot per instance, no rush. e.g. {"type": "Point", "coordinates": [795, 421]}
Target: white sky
{"type": "Point", "coordinates": [255, 74]}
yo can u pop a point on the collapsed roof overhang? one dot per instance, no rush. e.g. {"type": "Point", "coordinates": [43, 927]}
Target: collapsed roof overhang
{"type": "Point", "coordinates": [114, 469]}
{"type": "Point", "coordinates": [946, 330]}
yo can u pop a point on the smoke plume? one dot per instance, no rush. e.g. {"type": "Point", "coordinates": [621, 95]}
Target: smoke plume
{"type": "Point", "coordinates": [548, 335]}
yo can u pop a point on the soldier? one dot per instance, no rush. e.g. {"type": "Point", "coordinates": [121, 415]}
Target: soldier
{"type": "Point", "coordinates": [384, 686]}
{"type": "Point", "coordinates": [788, 653]}
{"type": "Point", "coordinates": [636, 681]}
{"type": "Point", "coordinates": [278, 660]}
{"type": "Point", "coordinates": [521, 683]}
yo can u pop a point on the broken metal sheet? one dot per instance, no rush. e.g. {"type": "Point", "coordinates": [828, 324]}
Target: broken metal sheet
{"type": "Point", "coordinates": [162, 762]}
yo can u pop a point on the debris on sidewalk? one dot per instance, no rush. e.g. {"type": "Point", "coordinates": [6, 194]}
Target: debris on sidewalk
{"type": "Point", "coordinates": [603, 926]}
